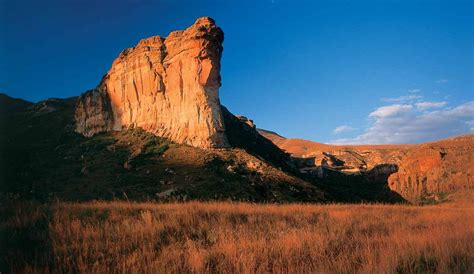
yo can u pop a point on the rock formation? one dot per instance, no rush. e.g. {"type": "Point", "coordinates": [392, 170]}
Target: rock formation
{"type": "Point", "coordinates": [431, 169]}
{"type": "Point", "coordinates": [349, 159]}
{"type": "Point", "coordinates": [167, 86]}
{"type": "Point", "coordinates": [416, 172]}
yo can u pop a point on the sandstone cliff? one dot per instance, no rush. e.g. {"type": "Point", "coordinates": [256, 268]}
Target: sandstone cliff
{"type": "Point", "coordinates": [431, 169]}
{"type": "Point", "coordinates": [166, 86]}
{"type": "Point", "coordinates": [349, 159]}
{"type": "Point", "coordinates": [416, 172]}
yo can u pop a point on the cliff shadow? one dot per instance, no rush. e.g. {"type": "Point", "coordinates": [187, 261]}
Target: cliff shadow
{"type": "Point", "coordinates": [363, 187]}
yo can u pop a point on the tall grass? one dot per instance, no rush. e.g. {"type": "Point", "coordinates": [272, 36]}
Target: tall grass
{"type": "Point", "coordinates": [221, 237]}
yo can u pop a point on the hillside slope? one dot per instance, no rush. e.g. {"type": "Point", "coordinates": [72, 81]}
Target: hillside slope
{"type": "Point", "coordinates": [43, 158]}
{"type": "Point", "coordinates": [419, 172]}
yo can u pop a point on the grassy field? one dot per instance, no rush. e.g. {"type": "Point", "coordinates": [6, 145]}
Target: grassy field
{"type": "Point", "coordinates": [101, 237]}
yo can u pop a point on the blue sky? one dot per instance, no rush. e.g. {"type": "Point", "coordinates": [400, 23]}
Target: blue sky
{"type": "Point", "coordinates": [330, 71]}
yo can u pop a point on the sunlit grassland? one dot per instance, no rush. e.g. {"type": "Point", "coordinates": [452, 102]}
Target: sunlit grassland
{"type": "Point", "coordinates": [194, 237]}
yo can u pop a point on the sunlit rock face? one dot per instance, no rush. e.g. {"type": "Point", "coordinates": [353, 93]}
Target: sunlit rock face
{"type": "Point", "coordinates": [167, 86]}
{"type": "Point", "coordinates": [435, 168]}
{"type": "Point", "coordinates": [416, 172]}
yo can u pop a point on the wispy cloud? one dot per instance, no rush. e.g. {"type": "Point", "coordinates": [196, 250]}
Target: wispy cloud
{"type": "Point", "coordinates": [414, 90]}
{"type": "Point", "coordinates": [403, 99]}
{"type": "Point", "coordinates": [342, 129]}
{"type": "Point", "coordinates": [387, 111]}
{"type": "Point", "coordinates": [408, 124]}
{"type": "Point", "coordinates": [442, 81]}
{"type": "Point", "coordinates": [430, 105]}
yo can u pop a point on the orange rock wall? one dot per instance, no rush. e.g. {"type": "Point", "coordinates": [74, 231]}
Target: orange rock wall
{"type": "Point", "coordinates": [423, 170]}
{"type": "Point", "coordinates": [167, 86]}
{"type": "Point", "coordinates": [434, 168]}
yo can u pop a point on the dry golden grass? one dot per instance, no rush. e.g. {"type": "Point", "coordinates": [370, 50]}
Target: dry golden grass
{"type": "Point", "coordinates": [195, 237]}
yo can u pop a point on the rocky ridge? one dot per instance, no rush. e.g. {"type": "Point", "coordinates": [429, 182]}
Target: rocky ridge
{"type": "Point", "coordinates": [424, 171]}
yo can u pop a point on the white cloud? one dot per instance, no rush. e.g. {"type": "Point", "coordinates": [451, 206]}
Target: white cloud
{"type": "Point", "coordinates": [442, 81]}
{"type": "Point", "coordinates": [392, 110]}
{"type": "Point", "coordinates": [342, 129]}
{"type": "Point", "coordinates": [429, 105]}
{"type": "Point", "coordinates": [403, 99]}
{"type": "Point", "coordinates": [397, 124]}
{"type": "Point", "coordinates": [414, 90]}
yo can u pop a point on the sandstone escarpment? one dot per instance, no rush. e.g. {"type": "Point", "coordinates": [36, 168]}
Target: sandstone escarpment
{"type": "Point", "coordinates": [166, 86]}
{"type": "Point", "coordinates": [435, 168]}
{"type": "Point", "coordinates": [416, 172]}
{"type": "Point", "coordinates": [349, 159]}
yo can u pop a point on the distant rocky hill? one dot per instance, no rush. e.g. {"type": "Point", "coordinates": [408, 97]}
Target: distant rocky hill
{"type": "Point", "coordinates": [417, 172]}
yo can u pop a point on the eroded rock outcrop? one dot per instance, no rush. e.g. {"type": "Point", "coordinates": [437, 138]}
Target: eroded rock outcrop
{"type": "Point", "coordinates": [167, 86]}
{"type": "Point", "coordinates": [416, 172]}
{"type": "Point", "coordinates": [436, 168]}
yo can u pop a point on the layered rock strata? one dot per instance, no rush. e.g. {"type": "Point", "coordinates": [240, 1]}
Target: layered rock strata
{"type": "Point", "coordinates": [166, 86]}
{"type": "Point", "coordinates": [416, 172]}
{"type": "Point", "coordinates": [435, 168]}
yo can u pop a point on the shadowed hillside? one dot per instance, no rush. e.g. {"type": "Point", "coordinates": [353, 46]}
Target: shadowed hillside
{"type": "Point", "coordinates": [43, 158]}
